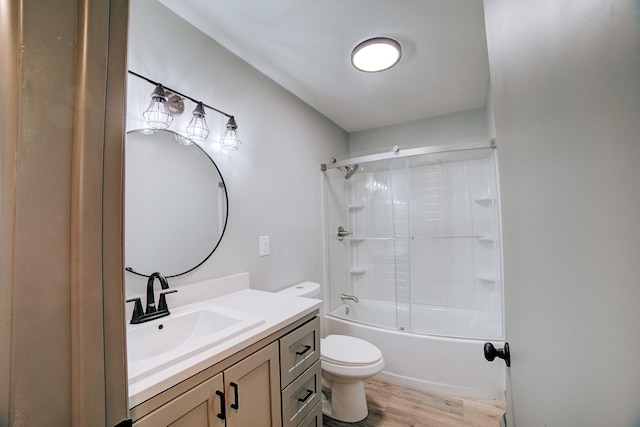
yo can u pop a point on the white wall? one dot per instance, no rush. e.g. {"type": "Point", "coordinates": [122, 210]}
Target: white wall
{"type": "Point", "coordinates": [566, 87]}
{"type": "Point", "coordinates": [490, 113]}
{"type": "Point", "coordinates": [441, 130]}
{"type": "Point", "coordinates": [274, 179]}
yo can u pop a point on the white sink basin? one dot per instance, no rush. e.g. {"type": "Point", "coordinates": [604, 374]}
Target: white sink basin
{"type": "Point", "coordinates": [188, 330]}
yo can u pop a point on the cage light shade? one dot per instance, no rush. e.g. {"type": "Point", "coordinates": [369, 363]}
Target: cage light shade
{"type": "Point", "coordinates": [230, 140]}
{"type": "Point", "coordinates": [376, 54]}
{"type": "Point", "coordinates": [157, 115]}
{"type": "Point", "coordinates": [197, 130]}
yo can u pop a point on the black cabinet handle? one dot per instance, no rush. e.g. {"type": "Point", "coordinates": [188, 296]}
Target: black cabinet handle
{"type": "Point", "coordinates": [304, 399]}
{"type": "Point", "coordinates": [236, 404]}
{"type": "Point", "coordinates": [490, 353]}
{"type": "Point", "coordinates": [222, 414]}
{"type": "Point", "coordinates": [306, 348]}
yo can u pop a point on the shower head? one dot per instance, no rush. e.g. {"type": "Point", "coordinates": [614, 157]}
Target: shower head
{"type": "Point", "coordinates": [351, 170]}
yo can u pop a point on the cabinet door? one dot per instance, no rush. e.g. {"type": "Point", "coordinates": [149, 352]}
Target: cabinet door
{"type": "Point", "coordinates": [252, 390]}
{"type": "Point", "coordinates": [198, 407]}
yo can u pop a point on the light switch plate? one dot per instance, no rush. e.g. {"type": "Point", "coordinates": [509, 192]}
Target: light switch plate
{"type": "Point", "coordinates": [264, 245]}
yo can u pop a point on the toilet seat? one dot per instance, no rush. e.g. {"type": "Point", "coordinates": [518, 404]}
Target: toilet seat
{"type": "Point", "coordinates": [348, 351]}
{"type": "Point", "coordinates": [348, 358]}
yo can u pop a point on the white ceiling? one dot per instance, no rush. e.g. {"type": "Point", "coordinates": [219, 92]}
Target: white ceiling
{"type": "Point", "coordinates": [306, 46]}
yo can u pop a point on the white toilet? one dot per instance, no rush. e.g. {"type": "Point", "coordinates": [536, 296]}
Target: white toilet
{"type": "Point", "coordinates": [346, 362]}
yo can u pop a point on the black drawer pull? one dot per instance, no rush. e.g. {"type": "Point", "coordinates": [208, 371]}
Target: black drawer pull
{"type": "Point", "coordinates": [304, 399]}
{"type": "Point", "coordinates": [221, 415]}
{"type": "Point", "coordinates": [306, 348]}
{"type": "Point", "coordinates": [236, 404]}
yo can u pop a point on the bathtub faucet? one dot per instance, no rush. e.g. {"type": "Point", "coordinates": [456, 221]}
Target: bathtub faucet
{"type": "Point", "coordinates": [351, 297]}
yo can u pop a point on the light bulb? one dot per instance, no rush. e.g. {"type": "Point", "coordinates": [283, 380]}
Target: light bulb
{"type": "Point", "coordinates": [197, 130]}
{"type": "Point", "coordinates": [157, 114]}
{"type": "Point", "coordinates": [230, 140]}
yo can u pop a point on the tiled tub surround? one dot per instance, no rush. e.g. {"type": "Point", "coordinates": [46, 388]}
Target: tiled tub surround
{"type": "Point", "coordinates": [232, 292]}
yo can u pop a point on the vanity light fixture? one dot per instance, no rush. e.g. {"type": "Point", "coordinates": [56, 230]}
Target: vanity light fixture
{"type": "Point", "coordinates": [230, 140]}
{"type": "Point", "coordinates": [376, 54]}
{"type": "Point", "coordinates": [167, 102]}
{"type": "Point", "coordinates": [197, 130]}
{"type": "Point", "coordinates": [157, 114]}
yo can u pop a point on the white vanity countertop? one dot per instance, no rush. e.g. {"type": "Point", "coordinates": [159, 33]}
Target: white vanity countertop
{"type": "Point", "coordinates": [278, 311]}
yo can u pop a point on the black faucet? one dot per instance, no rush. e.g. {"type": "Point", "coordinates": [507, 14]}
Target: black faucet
{"type": "Point", "coordinates": [151, 303]}
{"type": "Point", "coordinates": [152, 313]}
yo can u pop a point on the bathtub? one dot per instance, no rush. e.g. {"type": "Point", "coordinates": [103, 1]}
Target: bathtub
{"type": "Point", "coordinates": [439, 363]}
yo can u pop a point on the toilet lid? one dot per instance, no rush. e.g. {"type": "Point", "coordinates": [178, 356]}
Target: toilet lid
{"type": "Point", "coordinates": [342, 349]}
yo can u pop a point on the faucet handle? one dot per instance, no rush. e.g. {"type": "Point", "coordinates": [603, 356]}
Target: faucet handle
{"type": "Point", "coordinates": [162, 305]}
{"type": "Point", "coordinates": [137, 310]}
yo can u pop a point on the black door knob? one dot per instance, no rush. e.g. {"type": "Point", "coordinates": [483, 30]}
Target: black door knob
{"type": "Point", "coordinates": [490, 353]}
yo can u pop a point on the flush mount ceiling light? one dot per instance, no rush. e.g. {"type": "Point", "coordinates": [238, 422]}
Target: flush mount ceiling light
{"type": "Point", "coordinates": [376, 54]}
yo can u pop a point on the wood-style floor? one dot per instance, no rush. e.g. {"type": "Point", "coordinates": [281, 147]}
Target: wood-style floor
{"type": "Point", "coordinates": [392, 405]}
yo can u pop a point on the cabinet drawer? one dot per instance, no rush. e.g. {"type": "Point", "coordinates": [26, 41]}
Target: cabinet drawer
{"type": "Point", "coordinates": [313, 418]}
{"type": "Point", "coordinates": [299, 350]}
{"type": "Point", "coordinates": [301, 396]}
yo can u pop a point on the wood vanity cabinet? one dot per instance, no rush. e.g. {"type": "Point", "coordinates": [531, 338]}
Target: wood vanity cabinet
{"type": "Point", "coordinates": [273, 383]}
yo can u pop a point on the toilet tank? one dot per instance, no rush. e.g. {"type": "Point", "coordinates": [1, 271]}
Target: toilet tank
{"type": "Point", "coordinates": [304, 289]}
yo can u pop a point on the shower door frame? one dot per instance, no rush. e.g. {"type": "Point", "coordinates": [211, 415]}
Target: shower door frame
{"type": "Point", "coordinates": [408, 152]}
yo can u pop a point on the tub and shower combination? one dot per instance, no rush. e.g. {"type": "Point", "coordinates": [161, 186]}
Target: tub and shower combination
{"type": "Point", "coordinates": [414, 263]}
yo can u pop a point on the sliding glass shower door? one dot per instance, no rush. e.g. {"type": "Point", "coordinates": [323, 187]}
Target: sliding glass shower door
{"type": "Point", "coordinates": [414, 243]}
{"type": "Point", "coordinates": [361, 223]}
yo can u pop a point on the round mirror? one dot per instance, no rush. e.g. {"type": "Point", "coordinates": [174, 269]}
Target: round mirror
{"type": "Point", "coordinates": [175, 204]}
